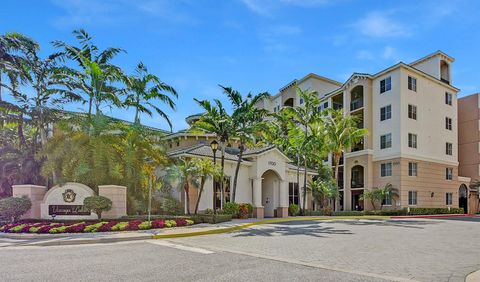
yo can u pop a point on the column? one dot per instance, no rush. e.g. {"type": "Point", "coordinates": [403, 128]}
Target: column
{"type": "Point", "coordinates": [282, 210]}
{"type": "Point", "coordinates": [258, 211]}
{"type": "Point", "coordinates": [35, 193]}
{"type": "Point", "coordinates": [118, 196]}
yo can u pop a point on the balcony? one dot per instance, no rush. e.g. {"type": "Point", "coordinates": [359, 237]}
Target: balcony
{"type": "Point", "coordinates": [356, 104]}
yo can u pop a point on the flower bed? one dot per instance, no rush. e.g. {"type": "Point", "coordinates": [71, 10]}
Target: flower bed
{"type": "Point", "coordinates": [84, 227]}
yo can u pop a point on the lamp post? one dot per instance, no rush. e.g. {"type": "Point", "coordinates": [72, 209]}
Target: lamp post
{"type": "Point", "coordinates": [214, 146]}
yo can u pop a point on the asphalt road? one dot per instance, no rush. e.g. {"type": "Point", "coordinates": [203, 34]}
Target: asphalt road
{"type": "Point", "coordinates": [356, 250]}
{"type": "Point", "coordinates": [149, 261]}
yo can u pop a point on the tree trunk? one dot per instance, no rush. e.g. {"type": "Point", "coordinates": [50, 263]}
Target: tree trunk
{"type": "Point", "coordinates": [305, 187]}
{"type": "Point", "coordinates": [336, 160]}
{"type": "Point", "coordinates": [222, 182]}
{"type": "Point", "coordinates": [1, 86]}
{"type": "Point", "coordinates": [202, 184]}
{"type": "Point", "coordinates": [187, 197]}
{"type": "Point", "coordinates": [237, 169]}
{"type": "Point", "coordinates": [298, 173]}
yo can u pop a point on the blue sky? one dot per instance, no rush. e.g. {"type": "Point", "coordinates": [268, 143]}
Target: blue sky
{"type": "Point", "coordinates": [257, 45]}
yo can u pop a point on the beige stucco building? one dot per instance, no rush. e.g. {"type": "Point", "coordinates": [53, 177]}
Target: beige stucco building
{"type": "Point", "coordinates": [410, 111]}
{"type": "Point", "coordinates": [469, 143]}
{"type": "Point", "coordinates": [266, 179]}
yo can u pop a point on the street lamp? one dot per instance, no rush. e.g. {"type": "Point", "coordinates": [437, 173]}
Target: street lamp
{"type": "Point", "coordinates": [214, 146]}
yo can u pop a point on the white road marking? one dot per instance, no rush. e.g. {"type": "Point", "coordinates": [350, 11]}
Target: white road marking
{"type": "Point", "coordinates": [181, 247]}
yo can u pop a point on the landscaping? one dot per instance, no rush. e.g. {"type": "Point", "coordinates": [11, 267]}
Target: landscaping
{"type": "Point", "coordinates": [92, 226]}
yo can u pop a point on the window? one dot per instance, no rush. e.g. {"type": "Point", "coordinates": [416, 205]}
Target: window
{"type": "Point", "coordinates": [385, 113]}
{"type": "Point", "coordinates": [412, 198]}
{"type": "Point", "coordinates": [412, 169]}
{"type": "Point", "coordinates": [448, 199]}
{"type": "Point", "coordinates": [412, 140]}
{"type": "Point", "coordinates": [386, 141]}
{"type": "Point", "coordinates": [178, 143]}
{"type": "Point", "coordinates": [385, 84]}
{"type": "Point", "coordinates": [301, 101]}
{"type": "Point", "coordinates": [448, 173]}
{"type": "Point", "coordinates": [412, 83]}
{"type": "Point", "coordinates": [293, 193]}
{"type": "Point", "coordinates": [386, 169]}
{"type": "Point", "coordinates": [448, 123]}
{"type": "Point", "coordinates": [218, 192]}
{"type": "Point", "coordinates": [449, 149]}
{"type": "Point", "coordinates": [387, 201]}
{"type": "Point", "coordinates": [412, 112]}
{"type": "Point", "coordinates": [448, 98]}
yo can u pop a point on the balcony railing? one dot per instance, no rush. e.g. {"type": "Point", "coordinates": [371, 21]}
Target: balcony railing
{"type": "Point", "coordinates": [356, 183]}
{"type": "Point", "coordinates": [356, 104]}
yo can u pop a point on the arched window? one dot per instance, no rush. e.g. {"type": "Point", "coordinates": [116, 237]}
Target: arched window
{"type": "Point", "coordinates": [356, 98]}
{"type": "Point", "coordinates": [356, 180]}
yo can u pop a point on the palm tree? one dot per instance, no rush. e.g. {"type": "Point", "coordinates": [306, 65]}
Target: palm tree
{"type": "Point", "coordinates": [325, 190]}
{"type": "Point", "coordinates": [217, 121]}
{"type": "Point", "coordinates": [206, 169]}
{"type": "Point", "coordinates": [341, 134]}
{"type": "Point", "coordinates": [185, 173]}
{"type": "Point", "coordinates": [245, 119]}
{"type": "Point", "coordinates": [97, 76]}
{"type": "Point", "coordinates": [143, 88]}
{"type": "Point", "coordinates": [303, 116]}
{"type": "Point", "coordinates": [388, 192]}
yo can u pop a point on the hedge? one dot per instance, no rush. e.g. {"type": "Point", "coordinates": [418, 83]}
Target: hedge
{"type": "Point", "coordinates": [211, 218]}
{"type": "Point", "coordinates": [427, 211]}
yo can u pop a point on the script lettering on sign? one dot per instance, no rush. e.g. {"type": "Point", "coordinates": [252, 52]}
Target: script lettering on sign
{"type": "Point", "coordinates": [67, 210]}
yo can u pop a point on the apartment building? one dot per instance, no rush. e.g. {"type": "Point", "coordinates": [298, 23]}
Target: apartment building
{"type": "Point", "coordinates": [469, 144]}
{"type": "Point", "coordinates": [410, 111]}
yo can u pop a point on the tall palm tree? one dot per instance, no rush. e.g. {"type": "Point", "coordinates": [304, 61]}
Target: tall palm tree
{"type": "Point", "coordinates": [97, 75]}
{"type": "Point", "coordinates": [342, 133]}
{"type": "Point", "coordinates": [245, 120]}
{"type": "Point", "coordinates": [303, 116]}
{"type": "Point", "coordinates": [144, 88]}
{"type": "Point", "coordinates": [217, 121]}
{"type": "Point", "coordinates": [325, 190]}
{"type": "Point", "coordinates": [206, 169]}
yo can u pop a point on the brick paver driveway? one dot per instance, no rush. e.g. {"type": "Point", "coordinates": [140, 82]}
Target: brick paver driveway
{"type": "Point", "coordinates": [399, 249]}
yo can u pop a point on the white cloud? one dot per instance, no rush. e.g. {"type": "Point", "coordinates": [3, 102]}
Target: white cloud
{"type": "Point", "coordinates": [390, 53]}
{"type": "Point", "coordinates": [378, 24]}
{"type": "Point", "coordinates": [278, 38]}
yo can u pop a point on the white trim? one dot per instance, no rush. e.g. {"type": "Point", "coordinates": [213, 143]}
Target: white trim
{"type": "Point", "coordinates": [359, 153]}
{"type": "Point", "coordinates": [406, 156]}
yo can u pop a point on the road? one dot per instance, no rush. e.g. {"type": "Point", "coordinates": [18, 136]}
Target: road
{"type": "Point", "coordinates": [358, 250]}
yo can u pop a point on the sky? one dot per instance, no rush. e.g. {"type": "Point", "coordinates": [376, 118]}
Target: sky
{"type": "Point", "coordinates": [255, 45]}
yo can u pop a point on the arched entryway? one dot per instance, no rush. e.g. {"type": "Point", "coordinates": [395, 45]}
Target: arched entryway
{"type": "Point", "coordinates": [288, 102]}
{"type": "Point", "coordinates": [463, 197]}
{"type": "Point", "coordinates": [270, 192]}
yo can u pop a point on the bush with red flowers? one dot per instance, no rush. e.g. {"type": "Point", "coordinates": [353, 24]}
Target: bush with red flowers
{"type": "Point", "coordinates": [91, 226]}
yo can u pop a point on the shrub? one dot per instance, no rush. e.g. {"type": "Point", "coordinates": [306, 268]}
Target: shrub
{"type": "Point", "coordinates": [76, 228]}
{"type": "Point", "coordinates": [159, 223]}
{"type": "Point", "coordinates": [145, 225]}
{"type": "Point", "coordinates": [328, 211]}
{"type": "Point", "coordinates": [97, 204]}
{"type": "Point", "coordinates": [347, 213]}
{"type": "Point", "coordinates": [231, 208]}
{"type": "Point", "coordinates": [387, 212]}
{"type": "Point", "coordinates": [172, 206]}
{"type": "Point", "coordinates": [13, 208]}
{"type": "Point", "coordinates": [249, 207]}
{"type": "Point", "coordinates": [170, 223]}
{"type": "Point", "coordinates": [120, 226]}
{"type": "Point", "coordinates": [133, 225]}
{"type": "Point", "coordinates": [94, 227]}
{"type": "Point", "coordinates": [243, 212]}
{"type": "Point", "coordinates": [293, 210]}
{"type": "Point", "coordinates": [107, 227]}
{"type": "Point", "coordinates": [427, 211]}
{"type": "Point", "coordinates": [313, 213]}
{"type": "Point", "coordinates": [190, 222]}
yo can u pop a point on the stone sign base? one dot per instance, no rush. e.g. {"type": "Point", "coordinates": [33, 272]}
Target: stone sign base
{"type": "Point", "coordinates": [282, 212]}
{"type": "Point", "coordinates": [66, 202]}
{"type": "Point", "coordinates": [258, 212]}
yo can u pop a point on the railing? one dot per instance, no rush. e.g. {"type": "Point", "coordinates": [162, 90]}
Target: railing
{"type": "Point", "coordinates": [356, 183]}
{"type": "Point", "coordinates": [356, 104]}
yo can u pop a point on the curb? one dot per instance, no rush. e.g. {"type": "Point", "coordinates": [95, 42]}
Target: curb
{"type": "Point", "coordinates": [431, 216]}
{"type": "Point", "coordinates": [268, 221]}
{"type": "Point", "coordinates": [88, 241]}
{"type": "Point", "coordinates": [472, 277]}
